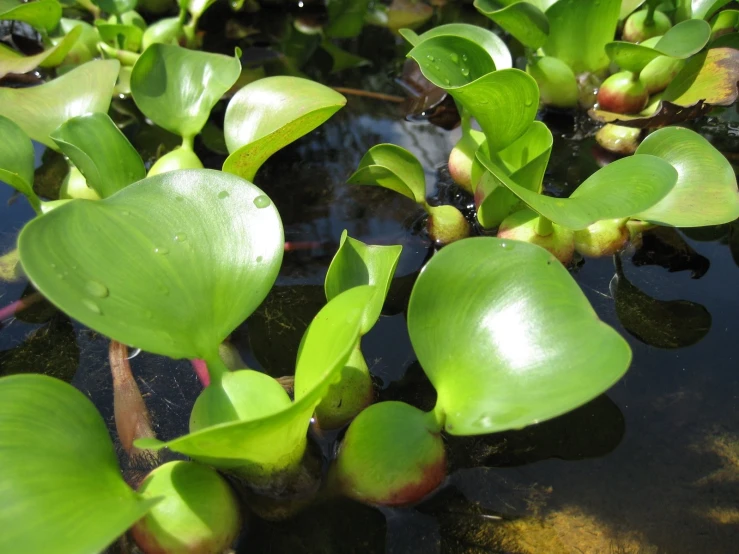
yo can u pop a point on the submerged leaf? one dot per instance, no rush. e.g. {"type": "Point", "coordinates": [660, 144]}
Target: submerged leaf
{"type": "Point", "coordinates": [39, 110]}
{"type": "Point", "coordinates": [219, 231]}
{"type": "Point", "coordinates": [101, 152]}
{"type": "Point", "coordinates": [269, 114]}
{"type": "Point", "coordinates": [512, 340]}
{"type": "Point", "coordinates": [60, 471]}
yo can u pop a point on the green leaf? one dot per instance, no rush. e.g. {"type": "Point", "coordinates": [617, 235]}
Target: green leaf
{"type": "Point", "coordinates": [341, 58]}
{"type": "Point", "coordinates": [101, 152]}
{"type": "Point", "coordinates": [61, 487]}
{"type": "Point", "coordinates": [627, 7]}
{"type": "Point", "coordinates": [579, 31]}
{"type": "Point", "coordinates": [703, 9]}
{"type": "Point", "coordinates": [452, 61]}
{"type": "Point", "coordinates": [41, 109]}
{"type": "Point", "coordinates": [127, 37]}
{"type": "Point", "coordinates": [17, 160]}
{"type": "Point", "coordinates": [202, 249]}
{"type": "Point", "coordinates": [41, 14]}
{"type": "Point", "coordinates": [526, 22]}
{"type": "Point", "coordinates": [345, 18]}
{"type": "Point", "coordinates": [710, 76]}
{"type": "Point", "coordinates": [197, 7]}
{"type": "Point", "coordinates": [269, 114]}
{"type": "Point", "coordinates": [512, 340]}
{"type": "Point", "coordinates": [394, 168]}
{"type": "Point", "coordinates": [277, 441]}
{"type": "Point", "coordinates": [116, 7]}
{"type": "Point", "coordinates": [489, 41]}
{"type": "Point", "coordinates": [356, 264]}
{"type": "Point", "coordinates": [12, 62]}
{"type": "Point", "coordinates": [681, 41]}
{"type": "Point", "coordinates": [176, 88]}
{"type": "Point", "coordinates": [620, 189]}
{"type": "Point", "coordinates": [706, 189]}
{"type": "Point", "coordinates": [525, 161]}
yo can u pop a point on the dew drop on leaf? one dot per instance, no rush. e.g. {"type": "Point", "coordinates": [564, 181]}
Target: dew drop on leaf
{"type": "Point", "coordinates": [262, 201]}
{"type": "Point", "coordinates": [454, 57]}
{"type": "Point", "coordinates": [90, 305]}
{"type": "Point", "coordinates": [465, 71]}
{"type": "Point", "coordinates": [180, 237]}
{"type": "Point", "coordinates": [96, 288]}
{"type": "Point", "coordinates": [223, 194]}
{"type": "Point", "coordinates": [259, 259]}
{"type": "Point", "coordinates": [161, 250]}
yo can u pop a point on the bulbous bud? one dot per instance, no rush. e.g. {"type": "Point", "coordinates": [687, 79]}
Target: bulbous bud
{"type": "Point", "coordinates": [618, 139]}
{"type": "Point", "coordinates": [659, 73]}
{"type": "Point", "coordinates": [392, 455]}
{"type": "Point", "coordinates": [447, 224]}
{"type": "Point", "coordinates": [165, 31]}
{"type": "Point", "coordinates": [637, 30]}
{"type": "Point", "coordinates": [602, 238]}
{"type": "Point", "coordinates": [198, 514]}
{"type": "Point", "coordinates": [462, 158]}
{"type": "Point", "coordinates": [179, 158]}
{"type": "Point", "coordinates": [622, 93]}
{"type": "Point", "coordinates": [347, 398]}
{"type": "Point", "coordinates": [557, 82]}
{"type": "Point", "coordinates": [522, 225]}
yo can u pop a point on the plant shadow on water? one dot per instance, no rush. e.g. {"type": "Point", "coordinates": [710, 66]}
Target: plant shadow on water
{"type": "Point", "coordinates": [651, 467]}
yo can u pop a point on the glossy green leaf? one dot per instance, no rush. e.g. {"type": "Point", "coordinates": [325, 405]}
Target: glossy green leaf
{"type": "Point", "coordinates": [202, 249]}
{"type": "Point", "coordinates": [579, 31]}
{"type": "Point", "coordinates": [127, 37]}
{"type": "Point", "coordinates": [356, 264]}
{"type": "Point", "coordinates": [17, 160]}
{"type": "Point", "coordinates": [196, 7]}
{"type": "Point", "coordinates": [703, 9]}
{"type": "Point", "coordinates": [681, 41]}
{"type": "Point", "coordinates": [12, 62]}
{"type": "Point", "coordinates": [41, 14]}
{"type": "Point", "coordinates": [270, 113]}
{"type": "Point", "coordinates": [526, 22]}
{"type": "Point", "coordinates": [116, 6]}
{"type": "Point", "coordinates": [61, 487]}
{"type": "Point", "coordinates": [710, 76]}
{"type": "Point", "coordinates": [41, 109]}
{"type": "Point", "coordinates": [512, 340]}
{"type": "Point", "coordinates": [628, 6]}
{"type": "Point", "coordinates": [394, 168]}
{"type": "Point", "coordinates": [176, 88]}
{"type": "Point", "coordinates": [526, 162]}
{"type": "Point", "coordinates": [85, 48]}
{"type": "Point", "coordinates": [271, 441]}
{"type": "Point", "coordinates": [452, 61]}
{"type": "Point", "coordinates": [706, 189]}
{"type": "Point", "coordinates": [489, 41]}
{"type": "Point", "coordinates": [620, 189]}
{"type": "Point", "coordinates": [101, 152]}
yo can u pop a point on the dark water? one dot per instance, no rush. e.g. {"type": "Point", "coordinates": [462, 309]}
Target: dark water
{"type": "Point", "coordinates": [652, 466]}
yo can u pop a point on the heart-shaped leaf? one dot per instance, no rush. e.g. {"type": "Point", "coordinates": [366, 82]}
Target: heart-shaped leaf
{"type": "Point", "coordinates": [273, 442]}
{"type": "Point", "coordinates": [620, 189]}
{"type": "Point", "coordinates": [118, 265]}
{"type": "Point", "coordinates": [526, 22]}
{"type": "Point", "coordinates": [41, 14]}
{"type": "Point", "coordinates": [269, 114]}
{"type": "Point", "coordinates": [681, 41]}
{"type": "Point", "coordinates": [40, 110]}
{"type": "Point", "coordinates": [512, 340]}
{"type": "Point", "coordinates": [489, 41]}
{"type": "Point", "coordinates": [17, 160]}
{"type": "Point", "coordinates": [60, 471]}
{"type": "Point", "coordinates": [127, 37]}
{"type": "Point", "coordinates": [176, 88]}
{"type": "Point", "coordinates": [525, 161]}
{"type": "Point", "coordinates": [579, 31]}
{"type": "Point", "coordinates": [356, 264]}
{"type": "Point", "coordinates": [706, 188]}
{"type": "Point", "coordinates": [13, 62]}
{"type": "Point", "coordinates": [394, 168]}
{"type": "Point", "coordinates": [101, 152]}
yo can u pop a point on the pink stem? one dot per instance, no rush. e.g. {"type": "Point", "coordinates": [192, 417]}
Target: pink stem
{"type": "Point", "coordinates": [19, 305]}
{"type": "Point", "coordinates": [201, 370]}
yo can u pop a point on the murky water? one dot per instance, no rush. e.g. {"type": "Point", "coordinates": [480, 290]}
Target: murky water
{"type": "Point", "coordinates": [653, 466]}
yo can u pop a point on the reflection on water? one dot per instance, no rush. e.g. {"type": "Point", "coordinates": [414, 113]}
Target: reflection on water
{"type": "Point", "coordinates": [651, 467]}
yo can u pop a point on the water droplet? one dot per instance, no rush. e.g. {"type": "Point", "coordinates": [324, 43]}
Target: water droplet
{"type": "Point", "coordinates": [447, 81]}
{"type": "Point", "coordinates": [503, 245]}
{"type": "Point", "coordinates": [223, 194]}
{"type": "Point", "coordinates": [464, 57]}
{"type": "Point", "coordinates": [96, 288]}
{"type": "Point", "coordinates": [454, 58]}
{"type": "Point", "coordinates": [136, 352]}
{"type": "Point", "coordinates": [529, 102]}
{"type": "Point", "coordinates": [430, 58]}
{"type": "Point", "coordinates": [436, 67]}
{"type": "Point", "coordinates": [465, 71]}
{"type": "Point", "coordinates": [262, 201]}
{"type": "Point", "coordinates": [161, 250]}
{"type": "Point", "coordinates": [259, 259]}
{"type": "Point", "coordinates": [90, 305]}
{"type": "Point", "coordinates": [180, 237]}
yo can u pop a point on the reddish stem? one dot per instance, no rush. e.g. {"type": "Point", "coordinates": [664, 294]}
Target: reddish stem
{"type": "Point", "coordinates": [19, 305]}
{"type": "Point", "coordinates": [305, 245]}
{"type": "Point", "coordinates": [201, 370]}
